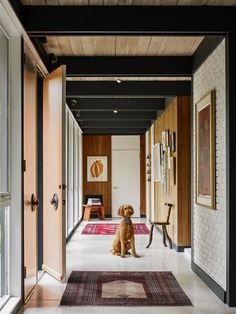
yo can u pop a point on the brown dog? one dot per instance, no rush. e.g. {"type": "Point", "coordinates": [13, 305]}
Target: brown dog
{"type": "Point", "coordinates": [124, 240]}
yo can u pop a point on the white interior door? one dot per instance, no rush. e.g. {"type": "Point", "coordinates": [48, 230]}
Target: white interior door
{"type": "Point", "coordinates": [54, 151]}
{"type": "Point", "coordinates": [126, 173]}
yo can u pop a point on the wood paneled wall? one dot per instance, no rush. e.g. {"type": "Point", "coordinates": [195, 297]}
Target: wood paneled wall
{"type": "Point", "coordinates": [142, 176]}
{"type": "Point", "coordinates": [94, 145]}
{"type": "Point", "coordinates": [176, 118]}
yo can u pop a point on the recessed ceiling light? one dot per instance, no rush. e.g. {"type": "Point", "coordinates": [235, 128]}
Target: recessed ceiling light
{"type": "Point", "coordinates": [115, 111]}
{"type": "Point", "coordinates": [118, 81]}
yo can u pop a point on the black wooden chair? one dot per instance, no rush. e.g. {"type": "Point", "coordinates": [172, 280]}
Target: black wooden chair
{"type": "Point", "coordinates": [163, 224]}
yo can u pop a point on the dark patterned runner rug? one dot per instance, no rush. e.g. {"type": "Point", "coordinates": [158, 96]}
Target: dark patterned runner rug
{"type": "Point", "coordinates": [124, 289]}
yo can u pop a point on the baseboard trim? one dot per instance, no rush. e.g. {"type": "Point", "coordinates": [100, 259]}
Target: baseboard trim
{"type": "Point", "coordinates": [180, 248]}
{"type": "Point", "coordinates": [73, 231]}
{"type": "Point", "coordinates": [108, 216]}
{"type": "Point", "coordinates": [177, 248]}
{"type": "Point", "coordinates": [211, 283]}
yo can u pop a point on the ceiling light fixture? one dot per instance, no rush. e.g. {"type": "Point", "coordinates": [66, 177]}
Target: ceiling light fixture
{"type": "Point", "coordinates": [115, 111]}
{"type": "Point", "coordinates": [118, 81]}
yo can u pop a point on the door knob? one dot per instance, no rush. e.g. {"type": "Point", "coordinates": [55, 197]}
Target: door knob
{"type": "Point", "coordinates": [115, 187]}
{"type": "Point", "coordinates": [54, 201]}
{"type": "Point", "coordinates": [34, 203]}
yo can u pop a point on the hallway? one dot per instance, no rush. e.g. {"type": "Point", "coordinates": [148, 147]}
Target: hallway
{"type": "Point", "coordinates": [92, 252]}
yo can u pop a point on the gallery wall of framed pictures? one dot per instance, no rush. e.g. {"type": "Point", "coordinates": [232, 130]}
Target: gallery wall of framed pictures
{"type": "Point", "coordinates": [171, 168]}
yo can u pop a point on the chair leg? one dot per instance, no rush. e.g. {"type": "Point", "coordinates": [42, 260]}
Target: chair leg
{"type": "Point", "coordinates": [150, 237]}
{"type": "Point", "coordinates": [164, 235]}
{"type": "Point", "coordinates": [168, 238]}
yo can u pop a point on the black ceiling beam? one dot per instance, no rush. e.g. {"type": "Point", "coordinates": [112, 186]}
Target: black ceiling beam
{"type": "Point", "coordinates": [121, 104]}
{"type": "Point", "coordinates": [115, 124]}
{"type": "Point", "coordinates": [206, 47]}
{"type": "Point", "coordinates": [127, 115]}
{"type": "Point", "coordinates": [127, 66]}
{"type": "Point", "coordinates": [127, 88]}
{"type": "Point", "coordinates": [114, 131]}
{"type": "Point", "coordinates": [128, 20]}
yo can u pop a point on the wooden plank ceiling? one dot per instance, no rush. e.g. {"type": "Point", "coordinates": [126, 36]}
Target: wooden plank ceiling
{"type": "Point", "coordinates": [122, 45]}
{"type": "Point", "coordinates": [129, 2]}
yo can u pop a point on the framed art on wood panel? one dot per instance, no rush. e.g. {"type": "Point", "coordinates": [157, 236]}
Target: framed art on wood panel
{"type": "Point", "coordinates": [205, 151]}
{"type": "Point", "coordinates": [96, 168]}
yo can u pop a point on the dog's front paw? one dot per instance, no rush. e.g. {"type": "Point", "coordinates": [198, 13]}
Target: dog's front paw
{"type": "Point", "coordinates": [123, 256]}
{"type": "Point", "coordinates": [136, 255]}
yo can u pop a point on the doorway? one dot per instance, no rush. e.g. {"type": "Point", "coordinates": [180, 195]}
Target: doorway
{"type": "Point", "coordinates": [126, 173]}
{"type": "Point", "coordinates": [44, 182]}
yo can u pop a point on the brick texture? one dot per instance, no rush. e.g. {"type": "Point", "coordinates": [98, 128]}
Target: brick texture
{"type": "Point", "coordinates": [209, 226]}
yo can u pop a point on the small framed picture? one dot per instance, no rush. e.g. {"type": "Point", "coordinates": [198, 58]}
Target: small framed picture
{"type": "Point", "coordinates": [97, 168]}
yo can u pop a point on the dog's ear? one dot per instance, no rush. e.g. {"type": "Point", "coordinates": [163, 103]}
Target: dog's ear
{"type": "Point", "coordinates": [121, 211]}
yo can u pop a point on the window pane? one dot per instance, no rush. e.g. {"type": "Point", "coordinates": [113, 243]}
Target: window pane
{"type": "Point", "coordinates": [3, 252]}
{"type": "Point", "coordinates": [3, 112]}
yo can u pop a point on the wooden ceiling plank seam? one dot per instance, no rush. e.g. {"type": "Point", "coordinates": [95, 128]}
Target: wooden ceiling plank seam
{"type": "Point", "coordinates": [109, 46]}
{"type": "Point", "coordinates": [178, 47]}
{"type": "Point", "coordinates": [169, 2]}
{"type": "Point", "coordinates": [165, 45]}
{"type": "Point", "coordinates": [76, 46]}
{"type": "Point", "coordinates": [198, 2]}
{"type": "Point", "coordinates": [132, 45]}
{"type": "Point", "coordinates": [184, 2]}
{"type": "Point", "coordinates": [87, 45]}
{"type": "Point", "coordinates": [124, 2]}
{"type": "Point", "coordinates": [99, 47]}
{"type": "Point", "coordinates": [110, 2]}
{"type": "Point", "coordinates": [143, 45]}
{"type": "Point", "coordinates": [121, 45]}
{"type": "Point", "coordinates": [95, 2]}
{"type": "Point", "coordinates": [65, 45]}
{"type": "Point", "coordinates": [52, 2]}
{"type": "Point", "coordinates": [154, 45]}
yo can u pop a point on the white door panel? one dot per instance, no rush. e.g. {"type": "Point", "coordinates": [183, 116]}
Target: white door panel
{"type": "Point", "coordinates": [125, 180]}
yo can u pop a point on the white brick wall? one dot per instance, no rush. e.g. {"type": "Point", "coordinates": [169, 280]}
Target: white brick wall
{"type": "Point", "coordinates": [209, 226]}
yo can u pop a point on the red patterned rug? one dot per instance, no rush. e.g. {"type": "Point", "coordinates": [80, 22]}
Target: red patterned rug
{"type": "Point", "coordinates": [110, 229]}
{"type": "Point", "coordinates": [123, 289]}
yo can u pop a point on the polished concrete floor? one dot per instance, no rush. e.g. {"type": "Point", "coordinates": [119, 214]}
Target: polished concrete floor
{"type": "Point", "coordinates": [90, 252]}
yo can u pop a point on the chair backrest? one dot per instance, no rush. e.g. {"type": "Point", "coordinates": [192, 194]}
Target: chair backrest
{"type": "Point", "coordinates": [86, 197]}
{"type": "Point", "coordinates": [169, 210]}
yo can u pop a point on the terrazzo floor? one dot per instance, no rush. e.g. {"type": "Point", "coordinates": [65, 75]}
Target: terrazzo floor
{"type": "Point", "coordinates": [92, 252]}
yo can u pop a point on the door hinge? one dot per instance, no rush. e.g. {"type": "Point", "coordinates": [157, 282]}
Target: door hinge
{"type": "Point", "coordinates": [24, 165]}
{"type": "Point", "coordinates": [24, 272]}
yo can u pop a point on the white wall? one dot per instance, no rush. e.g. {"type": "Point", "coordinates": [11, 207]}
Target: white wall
{"type": "Point", "coordinates": [209, 225]}
{"type": "Point", "coordinates": [74, 171]}
{"type": "Point", "coordinates": [147, 182]}
{"type": "Point", "coordinates": [152, 176]}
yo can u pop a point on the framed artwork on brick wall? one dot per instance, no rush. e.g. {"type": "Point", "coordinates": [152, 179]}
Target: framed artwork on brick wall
{"type": "Point", "coordinates": [205, 151]}
{"type": "Point", "coordinates": [97, 168]}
